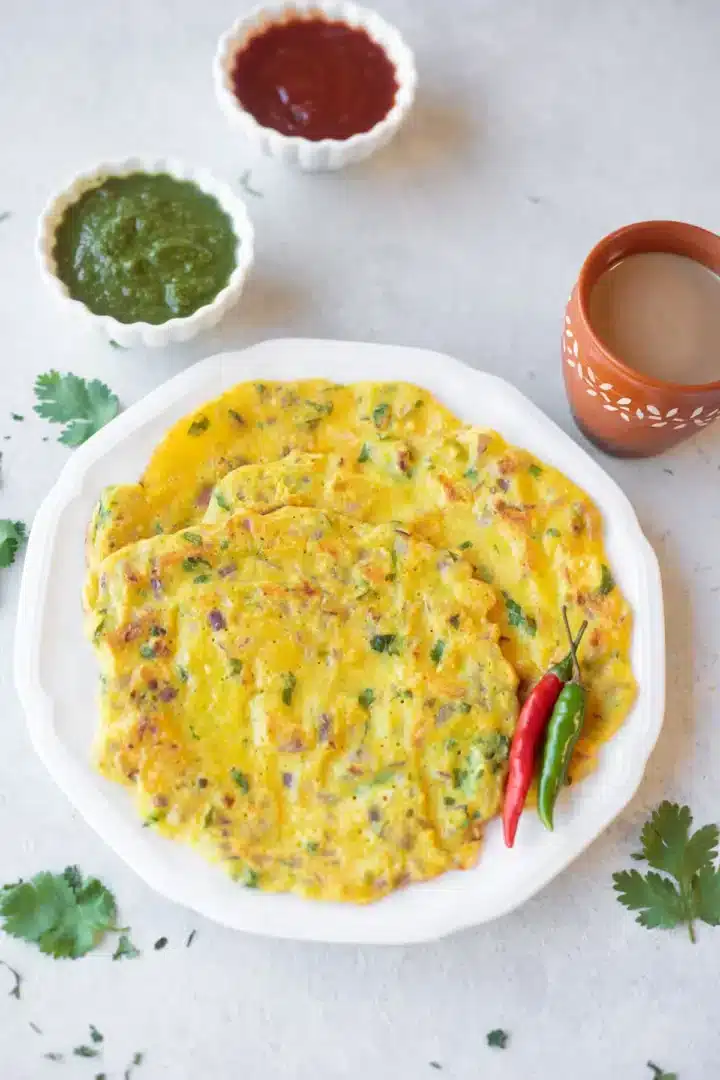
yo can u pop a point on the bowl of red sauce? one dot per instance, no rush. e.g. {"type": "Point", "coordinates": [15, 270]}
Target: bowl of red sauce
{"type": "Point", "coordinates": [316, 85]}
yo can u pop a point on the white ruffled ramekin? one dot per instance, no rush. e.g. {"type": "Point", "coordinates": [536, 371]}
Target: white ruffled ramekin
{"type": "Point", "coordinates": [322, 154]}
{"type": "Point", "coordinates": [143, 333]}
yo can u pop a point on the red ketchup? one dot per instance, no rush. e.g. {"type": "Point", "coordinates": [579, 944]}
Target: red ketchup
{"type": "Point", "coordinates": [315, 78]}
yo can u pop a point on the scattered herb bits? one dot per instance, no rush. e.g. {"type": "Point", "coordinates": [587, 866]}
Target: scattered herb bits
{"type": "Point", "coordinates": [137, 1060]}
{"type": "Point", "coordinates": [125, 949]}
{"type": "Point", "coordinates": [86, 1052]}
{"type": "Point", "coordinates": [497, 1038]}
{"type": "Point", "coordinates": [15, 990]}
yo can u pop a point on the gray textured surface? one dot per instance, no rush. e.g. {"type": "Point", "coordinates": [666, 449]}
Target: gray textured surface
{"type": "Point", "coordinates": [538, 128]}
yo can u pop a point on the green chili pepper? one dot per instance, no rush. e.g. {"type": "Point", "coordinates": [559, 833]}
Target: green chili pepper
{"type": "Point", "coordinates": [563, 733]}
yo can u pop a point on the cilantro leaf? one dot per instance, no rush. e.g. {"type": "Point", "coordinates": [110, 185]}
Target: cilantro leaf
{"type": "Point", "coordinates": [125, 949]}
{"type": "Point", "coordinates": [83, 406]}
{"type": "Point", "coordinates": [668, 846]}
{"type": "Point", "coordinates": [701, 850]}
{"type": "Point", "coordinates": [498, 1038]}
{"type": "Point", "coordinates": [366, 698]}
{"type": "Point", "coordinates": [664, 837]}
{"type": "Point", "coordinates": [688, 858]}
{"type": "Point", "coordinates": [655, 898]}
{"type": "Point", "coordinates": [241, 780]}
{"type": "Point", "coordinates": [63, 914]}
{"type": "Point", "coordinates": [383, 643]}
{"type": "Point", "coordinates": [289, 684]}
{"type": "Point", "coordinates": [12, 535]}
{"type": "Point", "coordinates": [607, 581]}
{"type": "Point", "coordinates": [517, 617]}
{"type": "Point", "coordinates": [199, 426]}
{"type": "Point", "coordinates": [706, 895]}
{"type": "Point", "coordinates": [437, 651]}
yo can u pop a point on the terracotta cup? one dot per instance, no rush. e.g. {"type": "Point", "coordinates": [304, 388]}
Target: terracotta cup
{"type": "Point", "coordinates": [623, 411]}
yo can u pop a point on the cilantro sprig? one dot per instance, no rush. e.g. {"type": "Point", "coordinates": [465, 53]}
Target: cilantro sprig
{"type": "Point", "coordinates": [65, 915]}
{"type": "Point", "coordinates": [12, 535]}
{"type": "Point", "coordinates": [660, 1074]}
{"type": "Point", "coordinates": [688, 887]}
{"type": "Point", "coordinates": [83, 406]}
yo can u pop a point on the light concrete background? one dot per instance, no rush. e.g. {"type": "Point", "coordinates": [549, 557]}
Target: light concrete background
{"type": "Point", "coordinates": [538, 128]}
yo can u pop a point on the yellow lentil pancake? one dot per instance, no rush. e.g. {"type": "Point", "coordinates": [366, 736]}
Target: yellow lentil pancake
{"type": "Point", "coordinates": [383, 456]}
{"type": "Point", "coordinates": [321, 703]}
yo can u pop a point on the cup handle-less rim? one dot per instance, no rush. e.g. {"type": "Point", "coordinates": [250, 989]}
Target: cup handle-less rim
{"type": "Point", "coordinates": [674, 237]}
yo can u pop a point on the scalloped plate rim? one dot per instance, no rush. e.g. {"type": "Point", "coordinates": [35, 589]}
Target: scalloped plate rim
{"type": "Point", "coordinates": [456, 900]}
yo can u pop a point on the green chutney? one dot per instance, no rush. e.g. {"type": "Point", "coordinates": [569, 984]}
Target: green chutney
{"type": "Point", "coordinates": [145, 248]}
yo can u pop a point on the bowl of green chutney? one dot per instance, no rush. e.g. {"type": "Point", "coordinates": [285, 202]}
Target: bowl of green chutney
{"type": "Point", "coordinates": [152, 252]}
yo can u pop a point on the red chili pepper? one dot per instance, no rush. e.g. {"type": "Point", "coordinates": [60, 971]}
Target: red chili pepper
{"type": "Point", "coordinates": [531, 724]}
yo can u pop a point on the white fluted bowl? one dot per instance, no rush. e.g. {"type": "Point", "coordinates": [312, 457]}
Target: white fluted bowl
{"type": "Point", "coordinates": [309, 154]}
{"type": "Point", "coordinates": [144, 333]}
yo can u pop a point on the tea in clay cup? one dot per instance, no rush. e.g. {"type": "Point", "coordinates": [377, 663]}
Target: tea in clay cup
{"type": "Point", "coordinates": [623, 410]}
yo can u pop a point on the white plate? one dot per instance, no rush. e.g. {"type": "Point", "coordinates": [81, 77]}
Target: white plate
{"type": "Point", "coordinates": [56, 673]}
